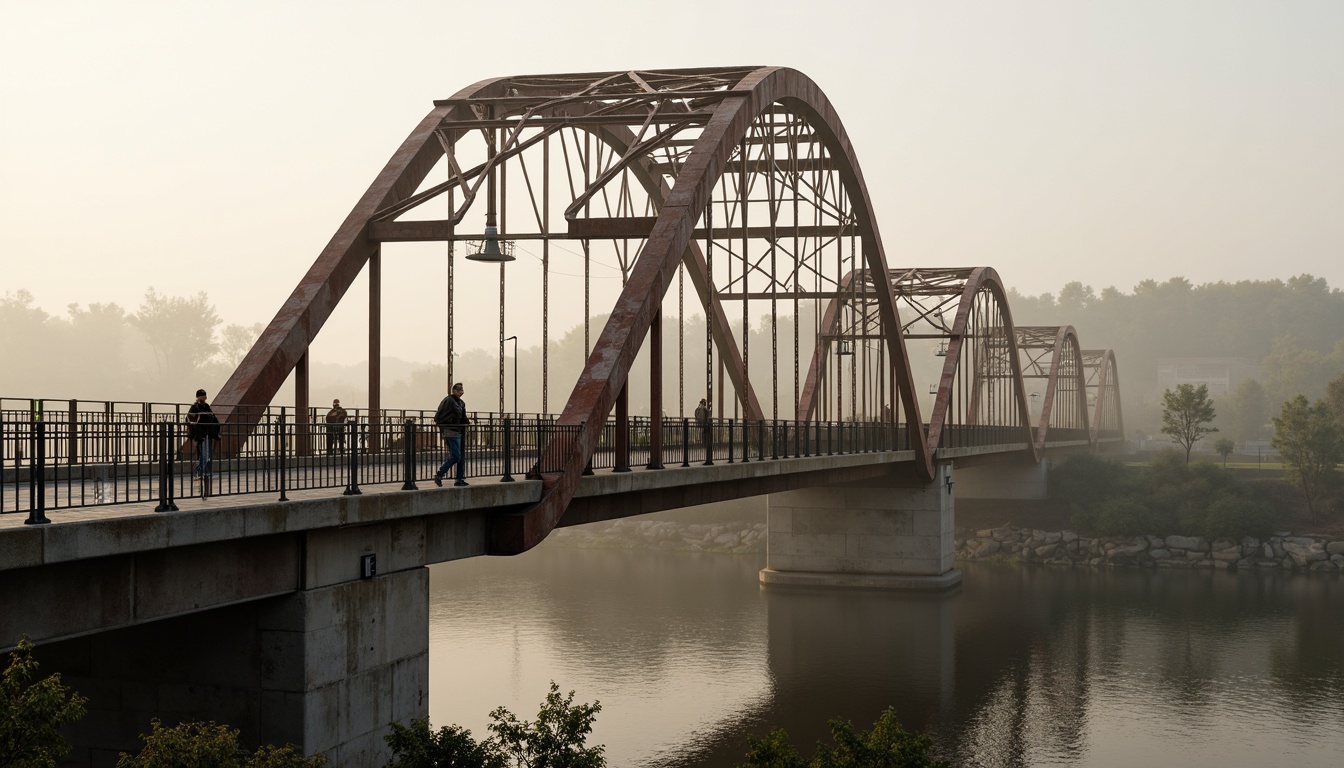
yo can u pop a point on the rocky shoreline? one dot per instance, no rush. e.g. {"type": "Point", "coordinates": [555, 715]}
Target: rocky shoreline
{"type": "Point", "coordinates": [1067, 548]}
{"type": "Point", "coordinates": [728, 538]}
{"type": "Point", "coordinates": [1006, 544]}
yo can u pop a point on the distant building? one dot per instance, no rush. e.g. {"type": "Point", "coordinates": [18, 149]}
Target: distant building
{"type": "Point", "coordinates": [1220, 374]}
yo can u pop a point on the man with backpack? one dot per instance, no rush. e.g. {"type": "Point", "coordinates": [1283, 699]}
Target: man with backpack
{"type": "Point", "coordinates": [451, 417]}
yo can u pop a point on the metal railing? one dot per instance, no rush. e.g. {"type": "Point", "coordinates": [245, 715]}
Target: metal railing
{"type": "Point", "coordinates": [119, 453]}
{"type": "Point", "coordinates": [77, 457]}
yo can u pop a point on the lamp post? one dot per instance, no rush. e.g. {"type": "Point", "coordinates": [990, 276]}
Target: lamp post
{"type": "Point", "coordinates": [514, 339]}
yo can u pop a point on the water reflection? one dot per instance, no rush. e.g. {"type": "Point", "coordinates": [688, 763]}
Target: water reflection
{"type": "Point", "coordinates": [1018, 668]}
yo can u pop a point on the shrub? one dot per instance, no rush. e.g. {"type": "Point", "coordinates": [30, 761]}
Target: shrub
{"type": "Point", "coordinates": [1119, 517]}
{"type": "Point", "coordinates": [1231, 517]}
{"type": "Point", "coordinates": [1086, 479]}
{"type": "Point", "coordinates": [555, 740]}
{"type": "Point", "coordinates": [209, 745]}
{"type": "Point", "coordinates": [32, 712]}
{"type": "Point", "coordinates": [416, 746]}
{"type": "Point", "coordinates": [887, 745]}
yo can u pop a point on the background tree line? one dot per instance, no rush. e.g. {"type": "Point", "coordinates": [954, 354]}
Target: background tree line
{"type": "Point", "coordinates": [1290, 329]}
{"type": "Point", "coordinates": [161, 351]}
{"type": "Point", "coordinates": [169, 345]}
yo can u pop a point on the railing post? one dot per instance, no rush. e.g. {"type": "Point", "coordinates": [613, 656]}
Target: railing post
{"type": "Point", "coordinates": [508, 452]}
{"type": "Point", "coordinates": [37, 477]}
{"type": "Point", "coordinates": [281, 442]}
{"type": "Point", "coordinates": [352, 487]}
{"type": "Point", "coordinates": [621, 462]}
{"type": "Point", "coordinates": [685, 442]}
{"type": "Point", "coordinates": [408, 451]}
{"type": "Point", "coordinates": [165, 441]}
{"type": "Point", "coordinates": [73, 428]}
{"type": "Point", "coordinates": [760, 440]}
{"type": "Point", "coordinates": [774, 439]}
{"type": "Point", "coordinates": [805, 427]}
{"type": "Point", "coordinates": [709, 442]}
{"type": "Point", "coordinates": [730, 442]}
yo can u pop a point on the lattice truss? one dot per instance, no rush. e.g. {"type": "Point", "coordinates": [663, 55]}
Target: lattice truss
{"type": "Point", "coordinates": [591, 162]}
{"type": "Point", "coordinates": [1102, 381]}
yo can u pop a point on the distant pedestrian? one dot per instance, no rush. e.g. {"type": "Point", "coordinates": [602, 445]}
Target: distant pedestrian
{"type": "Point", "coordinates": [702, 421]}
{"type": "Point", "coordinates": [336, 428]}
{"type": "Point", "coordinates": [451, 417]}
{"type": "Point", "coordinates": [203, 430]}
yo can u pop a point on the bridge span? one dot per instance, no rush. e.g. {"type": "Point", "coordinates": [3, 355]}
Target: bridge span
{"type": "Point", "coordinates": [288, 594]}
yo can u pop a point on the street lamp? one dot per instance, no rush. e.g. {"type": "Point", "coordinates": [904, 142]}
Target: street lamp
{"type": "Point", "coordinates": [514, 339]}
{"type": "Point", "coordinates": [1034, 396]}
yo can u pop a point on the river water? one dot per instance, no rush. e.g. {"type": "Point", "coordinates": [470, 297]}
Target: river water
{"type": "Point", "coordinates": [1019, 667]}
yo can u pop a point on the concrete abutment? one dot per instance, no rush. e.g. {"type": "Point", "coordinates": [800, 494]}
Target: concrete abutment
{"type": "Point", "coordinates": [325, 669]}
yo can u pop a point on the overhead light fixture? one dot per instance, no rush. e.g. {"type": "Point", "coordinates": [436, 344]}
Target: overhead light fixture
{"type": "Point", "coordinates": [491, 250]}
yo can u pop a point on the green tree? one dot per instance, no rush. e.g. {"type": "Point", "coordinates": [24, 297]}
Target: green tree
{"type": "Point", "coordinates": [32, 712]}
{"type": "Point", "coordinates": [1187, 415]}
{"type": "Point", "coordinates": [556, 739]}
{"type": "Point", "coordinates": [1309, 440]}
{"type": "Point", "coordinates": [181, 331]}
{"type": "Point", "coordinates": [1224, 446]}
{"type": "Point", "coordinates": [416, 746]}
{"type": "Point", "coordinates": [887, 745]}
{"type": "Point", "coordinates": [1334, 398]}
{"type": "Point", "coordinates": [209, 745]}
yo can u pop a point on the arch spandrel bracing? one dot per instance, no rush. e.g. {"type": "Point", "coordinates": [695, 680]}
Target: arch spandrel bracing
{"type": "Point", "coordinates": [730, 193]}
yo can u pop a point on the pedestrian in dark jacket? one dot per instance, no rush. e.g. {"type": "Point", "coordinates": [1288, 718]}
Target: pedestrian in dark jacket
{"type": "Point", "coordinates": [203, 430]}
{"type": "Point", "coordinates": [702, 415]}
{"type": "Point", "coordinates": [336, 428]}
{"type": "Point", "coordinates": [451, 417]}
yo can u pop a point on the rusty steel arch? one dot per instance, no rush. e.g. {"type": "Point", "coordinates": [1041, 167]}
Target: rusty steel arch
{"type": "Point", "coordinates": [1102, 379]}
{"type": "Point", "coordinates": [595, 393]}
{"type": "Point", "coordinates": [1052, 353]}
{"type": "Point", "coordinates": [680, 136]}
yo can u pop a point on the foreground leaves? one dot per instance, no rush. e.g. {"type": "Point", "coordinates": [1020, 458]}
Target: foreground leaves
{"type": "Point", "coordinates": [33, 711]}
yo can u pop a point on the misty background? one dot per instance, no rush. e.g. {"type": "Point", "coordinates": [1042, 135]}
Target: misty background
{"type": "Point", "coordinates": [1287, 332]}
{"type": "Point", "coordinates": [169, 171]}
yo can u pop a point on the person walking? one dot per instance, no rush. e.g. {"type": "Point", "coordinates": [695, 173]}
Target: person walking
{"type": "Point", "coordinates": [336, 428]}
{"type": "Point", "coordinates": [203, 430]}
{"type": "Point", "coordinates": [702, 421]}
{"type": "Point", "coordinates": [451, 417]}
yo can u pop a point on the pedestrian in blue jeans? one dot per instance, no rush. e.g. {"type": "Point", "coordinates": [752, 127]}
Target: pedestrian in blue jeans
{"type": "Point", "coordinates": [451, 417]}
{"type": "Point", "coordinates": [203, 430]}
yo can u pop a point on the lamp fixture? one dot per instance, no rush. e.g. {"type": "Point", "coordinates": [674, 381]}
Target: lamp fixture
{"type": "Point", "coordinates": [491, 250]}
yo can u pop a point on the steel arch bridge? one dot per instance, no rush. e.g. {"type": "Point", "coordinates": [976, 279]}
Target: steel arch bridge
{"type": "Point", "coordinates": [734, 188]}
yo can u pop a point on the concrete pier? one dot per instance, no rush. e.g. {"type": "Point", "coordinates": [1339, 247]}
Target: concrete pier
{"type": "Point", "coordinates": [894, 533]}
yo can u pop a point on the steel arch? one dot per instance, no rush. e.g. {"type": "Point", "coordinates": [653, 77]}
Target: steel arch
{"type": "Point", "coordinates": [723, 104]}
{"type": "Point", "coordinates": [595, 393]}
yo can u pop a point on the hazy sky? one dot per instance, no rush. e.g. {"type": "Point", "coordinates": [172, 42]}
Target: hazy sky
{"type": "Point", "coordinates": [217, 145]}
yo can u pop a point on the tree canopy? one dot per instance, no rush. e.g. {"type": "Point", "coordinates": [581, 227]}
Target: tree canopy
{"type": "Point", "coordinates": [1308, 438]}
{"type": "Point", "coordinates": [1187, 415]}
{"type": "Point", "coordinates": [32, 711]}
